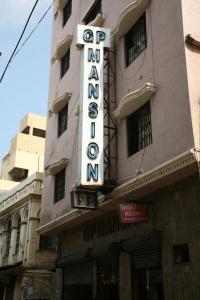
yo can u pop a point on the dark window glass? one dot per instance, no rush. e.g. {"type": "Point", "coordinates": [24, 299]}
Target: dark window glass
{"type": "Point", "coordinates": [18, 236]}
{"type": "Point", "coordinates": [136, 40]}
{"type": "Point", "coordinates": [39, 132]}
{"type": "Point", "coordinates": [62, 119]}
{"type": "Point", "coordinates": [181, 254]}
{"type": "Point", "coordinates": [139, 131]}
{"type": "Point", "coordinates": [8, 238]}
{"type": "Point", "coordinates": [26, 130]}
{"type": "Point", "coordinates": [64, 63]}
{"type": "Point", "coordinates": [67, 10]}
{"type": "Point", "coordinates": [47, 243]}
{"type": "Point", "coordinates": [93, 12]}
{"type": "Point", "coordinates": [59, 187]}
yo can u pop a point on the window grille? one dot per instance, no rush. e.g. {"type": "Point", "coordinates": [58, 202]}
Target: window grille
{"type": "Point", "coordinates": [93, 12]}
{"type": "Point", "coordinates": [59, 186]}
{"type": "Point", "coordinates": [64, 63]}
{"type": "Point", "coordinates": [136, 40]}
{"type": "Point", "coordinates": [139, 131]}
{"type": "Point", "coordinates": [67, 10]}
{"type": "Point", "coordinates": [62, 119]}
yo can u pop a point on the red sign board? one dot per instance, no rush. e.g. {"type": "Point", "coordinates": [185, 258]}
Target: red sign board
{"type": "Point", "coordinates": [133, 212]}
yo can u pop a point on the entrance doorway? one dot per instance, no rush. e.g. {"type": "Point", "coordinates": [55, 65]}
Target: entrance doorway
{"type": "Point", "coordinates": [107, 278]}
{"type": "Point", "coordinates": [147, 284]}
{"type": "Point", "coordinates": [77, 281]}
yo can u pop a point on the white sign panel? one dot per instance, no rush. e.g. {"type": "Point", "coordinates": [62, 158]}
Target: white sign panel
{"type": "Point", "coordinates": [91, 155]}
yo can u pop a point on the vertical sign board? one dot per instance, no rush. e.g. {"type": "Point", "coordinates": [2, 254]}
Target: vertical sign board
{"type": "Point", "coordinates": [92, 40]}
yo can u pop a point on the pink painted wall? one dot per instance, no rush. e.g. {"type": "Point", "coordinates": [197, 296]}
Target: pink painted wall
{"type": "Point", "coordinates": [163, 61]}
{"type": "Point", "coordinates": [191, 25]}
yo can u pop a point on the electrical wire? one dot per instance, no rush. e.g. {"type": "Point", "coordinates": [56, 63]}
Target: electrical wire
{"type": "Point", "coordinates": [14, 51]}
{"type": "Point", "coordinates": [28, 37]}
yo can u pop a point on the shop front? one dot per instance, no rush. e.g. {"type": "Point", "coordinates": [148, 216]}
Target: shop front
{"type": "Point", "coordinates": [116, 262]}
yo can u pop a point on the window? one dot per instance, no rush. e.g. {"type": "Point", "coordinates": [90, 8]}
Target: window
{"type": "Point", "coordinates": [136, 40]}
{"type": "Point", "coordinates": [8, 238]}
{"type": "Point", "coordinates": [18, 235]}
{"type": "Point", "coordinates": [26, 130]}
{"type": "Point", "coordinates": [93, 12]}
{"type": "Point", "coordinates": [39, 132]}
{"type": "Point", "coordinates": [64, 63]}
{"type": "Point", "coordinates": [59, 186]}
{"type": "Point", "coordinates": [181, 254]}
{"type": "Point", "coordinates": [139, 131]}
{"type": "Point", "coordinates": [62, 119]}
{"type": "Point", "coordinates": [47, 243]}
{"type": "Point", "coordinates": [67, 10]}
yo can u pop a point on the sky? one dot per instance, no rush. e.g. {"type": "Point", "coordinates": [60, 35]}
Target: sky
{"type": "Point", "coordinates": [24, 87]}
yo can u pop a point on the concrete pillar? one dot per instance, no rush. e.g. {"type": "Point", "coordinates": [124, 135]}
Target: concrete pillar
{"type": "Point", "coordinates": [59, 283]}
{"type": "Point", "coordinates": [4, 238]}
{"type": "Point", "coordinates": [12, 244]}
{"type": "Point", "coordinates": [32, 240]}
{"type": "Point", "coordinates": [22, 239]}
{"type": "Point", "coordinates": [125, 283]}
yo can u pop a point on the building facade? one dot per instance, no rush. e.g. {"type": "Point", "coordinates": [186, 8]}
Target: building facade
{"type": "Point", "coordinates": [26, 259]}
{"type": "Point", "coordinates": [26, 154]}
{"type": "Point", "coordinates": [151, 151]}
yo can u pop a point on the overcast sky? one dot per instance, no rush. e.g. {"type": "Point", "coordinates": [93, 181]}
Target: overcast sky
{"type": "Point", "coordinates": [25, 85]}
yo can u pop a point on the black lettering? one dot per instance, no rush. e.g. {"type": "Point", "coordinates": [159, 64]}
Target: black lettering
{"type": "Point", "coordinates": [88, 36]}
{"type": "Point", "coordinates": [93, 73]}
{"type": "Point", "coordinates": [93, 110]}
{"type": "Point", "coordinates": [93, 91]}
{"type": "Point", "coordinates": [94, 57]}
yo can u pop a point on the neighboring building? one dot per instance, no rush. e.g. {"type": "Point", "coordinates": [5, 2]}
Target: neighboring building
{"type": "Point", "coordinates": [26, 259]}
{"type": "Point", "coordinates": [152, 91]}
{"type": "Point", "coordinates": [26, 155]}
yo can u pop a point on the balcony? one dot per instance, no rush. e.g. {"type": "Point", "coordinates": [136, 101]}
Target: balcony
{"type": "Point", "coordinates": [129, 16]}
{"type": "Point", "coordinates": [62, 47]}
{"type": "Point", "coordinates": [134, 100]}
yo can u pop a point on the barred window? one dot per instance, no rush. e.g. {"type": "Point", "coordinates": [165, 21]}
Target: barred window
{"type": "Point", "coordinates": [59, 186]}
{"type": "Point", "coordinates": [93, 12]}
{"type": "Point", "coordinates": [139, 131]}
{"type": "Point", "coordinates": [62, 119]}
{"type": "Point", "coordinates": [136, 40]}
{"type": "Point", "coordinates": [67, 10]}
{"type": "Point", "coordinates": [64, 63]}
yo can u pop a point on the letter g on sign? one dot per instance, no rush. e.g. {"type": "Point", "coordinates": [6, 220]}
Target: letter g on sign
{"type": "Point", "coordinates": [88, 36]}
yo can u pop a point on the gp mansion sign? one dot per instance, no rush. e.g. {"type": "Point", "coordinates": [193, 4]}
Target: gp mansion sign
{"type": "Point", "coordinates": [92, 40]}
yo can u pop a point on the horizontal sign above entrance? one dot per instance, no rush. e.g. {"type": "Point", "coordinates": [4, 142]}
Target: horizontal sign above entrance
{"type": "Point", "coordinates": [133, 212]}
